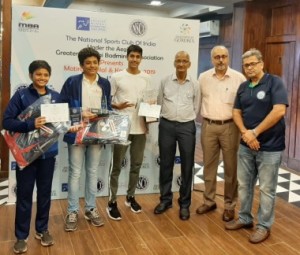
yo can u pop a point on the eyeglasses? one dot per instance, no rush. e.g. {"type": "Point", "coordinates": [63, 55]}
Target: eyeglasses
{"type": "Point", "coordinates": [177, 61]}
{"type": "Point", "coordinates": [252, 64]}
{"type": "Point", "coordinates": [218, 57]}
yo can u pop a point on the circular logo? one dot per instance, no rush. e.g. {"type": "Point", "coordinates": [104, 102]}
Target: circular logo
{"type": "Point", "coordinates": [178, 180]}
{"type": "Point", "coordinates": [157, 160]}
{"type": "Point", "coordinates": [14, 189]}
{"type": "Point", "coordinates": [143, 183]}
{"type": "Point", "coordinates": [138, 27]}
{"type": "Point", "coordinates": [124, 163]}
{"type": "Point", "coordinates": [261, 95]}
{"type": "Point", "coordinates": [100, 185]}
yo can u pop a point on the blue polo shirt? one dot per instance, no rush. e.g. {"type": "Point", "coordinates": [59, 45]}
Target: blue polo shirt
{"type": "Point", "coordinates": [256, 103]}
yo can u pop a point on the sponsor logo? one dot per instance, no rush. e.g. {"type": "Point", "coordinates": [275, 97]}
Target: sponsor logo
{"type": "Point", "coordinates": [157, 160]}
{"type": "Point", "coordinates": [185, 29]}
{"type": "Point", "coordinates": [178, 180]}
{"type": "Point", "coordinates": [90, 24]}
{"type": "Point", "coordinates": [14, 190]}
{"type": "Point", "coordinates": [83, 23]}
{"type": "Point", "coordinates": [13, 165]}
{"type": "Point", "coordinates": [124, 163]}
{"type": "Point", "coordinates": [138, 28]}
{"type": "Point", "coordinates": [64, 187]}
{"type": "Point", "coordinates": [185, 34]}
{"type": "Point", "coordinates": [26, 16]}
{"type": "Point", "coordinates": [143, 183]}
{"type": "Point", "coordinates": [100, 185]}
{"type": "Point", "coordinates": [25, 24]}
{"type": "Point", "coordinates": [98, 25]}
{"type": "Point", "coordinates": [177, 160]}
{"type": "Point", "coordinates": [28, 27]}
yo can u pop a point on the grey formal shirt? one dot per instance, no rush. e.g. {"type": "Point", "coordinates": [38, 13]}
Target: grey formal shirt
{"type": "Point", "coordinates": [179, 102]}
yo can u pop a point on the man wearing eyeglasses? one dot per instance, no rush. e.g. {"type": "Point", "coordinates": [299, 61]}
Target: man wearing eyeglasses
{"type": "Point", "coordinates": [219, 133]}
{"type": "Point", "coordinates": [258, 112]}
{"type": "Point", "coordinates": [179, 97]}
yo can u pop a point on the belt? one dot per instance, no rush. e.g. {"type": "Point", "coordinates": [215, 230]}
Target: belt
{"type": "Point", "coordinates": [218, 122]}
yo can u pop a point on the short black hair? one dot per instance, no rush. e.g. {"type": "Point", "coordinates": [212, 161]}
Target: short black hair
{"type": "Point", "coordinates": [37, 64]}
{"type": "Point", "coordinates": [86, 53]}
{"type": "Point", "coordinates": [134, 48]}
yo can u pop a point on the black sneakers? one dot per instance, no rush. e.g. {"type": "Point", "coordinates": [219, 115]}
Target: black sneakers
{"type": "Point", "coordinates": [135, 207]}
{"type": "Point", "coordinates": [113, 211]}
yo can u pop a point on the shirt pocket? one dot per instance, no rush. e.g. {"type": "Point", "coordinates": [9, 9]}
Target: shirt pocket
{"type": "Point", "coordinates": [228, 97]}
{"type": "Point", "coordinates": [188, 97]}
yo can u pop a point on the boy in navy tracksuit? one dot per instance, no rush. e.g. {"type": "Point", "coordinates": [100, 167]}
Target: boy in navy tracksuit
{"type": "Point", "coordinates": [39, 171]}
{"type": "Point", "coordinates": [86, 90]}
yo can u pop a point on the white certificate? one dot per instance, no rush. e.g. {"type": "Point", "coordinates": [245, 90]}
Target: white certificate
{"type": "Point", "coordinates": [55, 112]}
{"type": "Point", "coordinates": [149, 110]}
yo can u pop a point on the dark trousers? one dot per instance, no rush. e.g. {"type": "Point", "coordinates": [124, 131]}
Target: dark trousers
{"type": "Point", "coordinates": [137, 148]}
{"type": "Point", "coordinates": [171, 132]}
{"type": "Point", "coordinates": [40, 172]}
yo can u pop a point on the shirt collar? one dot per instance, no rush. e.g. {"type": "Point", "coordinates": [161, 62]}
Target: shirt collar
{"type": "Point", "coordinates": [227, 74]}
{"type": "Point", "coordinates": [174, 77]}
{"type": "Point", "coordinates": [87, 80]}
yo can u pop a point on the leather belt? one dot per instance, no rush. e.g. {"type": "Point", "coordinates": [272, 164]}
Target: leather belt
{"type": "Point", "coordinates": [218, 122]}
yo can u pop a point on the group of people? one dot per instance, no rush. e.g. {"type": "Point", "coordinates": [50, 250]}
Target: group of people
{"type": "Point", "coordinates": [243, 119]}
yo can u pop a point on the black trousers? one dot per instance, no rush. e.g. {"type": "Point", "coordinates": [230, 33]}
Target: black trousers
{"type": "Point", "coordinates": [171, 133]}
{"type": "Point", "coordinates": [40, 172]}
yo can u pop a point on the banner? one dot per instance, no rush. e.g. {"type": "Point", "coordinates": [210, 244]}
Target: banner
{"type": "Point", "coordinates": [57, 35]}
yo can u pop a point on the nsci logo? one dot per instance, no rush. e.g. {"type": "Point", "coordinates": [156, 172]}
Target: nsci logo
{"type": "Point", "coordinates": [143, 183]}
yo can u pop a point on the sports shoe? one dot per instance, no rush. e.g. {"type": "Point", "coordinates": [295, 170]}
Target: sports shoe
{"type": "Point", "coordinates": [45, 237]}
{"type": "Point", "coordinates": [71, 221]}
{"type": "Point", "coordinates": [130, 202]}
{"type": "Point", "coordinates": [20, 246]}
{"type": "Point", "coordinates": [113, 211]}
{"type": "Point", "coordinates": [94, 217]}
{"type": "Point", "coordinates": [260, 235]}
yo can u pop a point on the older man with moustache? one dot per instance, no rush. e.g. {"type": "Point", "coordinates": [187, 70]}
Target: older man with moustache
{"type": "Point", "coordinates": [219, 133]}
{"type": "Point", "coordinates": [179, 97]}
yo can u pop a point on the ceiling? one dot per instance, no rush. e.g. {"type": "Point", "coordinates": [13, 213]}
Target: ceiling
{"type": "Point", "coordinates": [174, 8]}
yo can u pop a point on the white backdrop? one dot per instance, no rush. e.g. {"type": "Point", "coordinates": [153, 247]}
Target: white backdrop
{"type": "Point", "coordinates": [56, 35]}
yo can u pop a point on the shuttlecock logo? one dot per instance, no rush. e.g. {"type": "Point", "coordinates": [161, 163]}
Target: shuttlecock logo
{"type": "Point", "coordinates": [26, 16]}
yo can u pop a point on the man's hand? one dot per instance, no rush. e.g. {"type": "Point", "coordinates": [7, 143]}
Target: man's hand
{"type": "Point", "coordinates": [125, 105]}
{"type": "Point", "coordinates": [254, 145]}
{"type": "Point", "coordinates": [75, 128]}
{"type": "Point", "coordinates": [248, 136]}
{"type": "Point", "coordinates": [87, 115]}
{"type": "Point", "coordinates": [39, 122]}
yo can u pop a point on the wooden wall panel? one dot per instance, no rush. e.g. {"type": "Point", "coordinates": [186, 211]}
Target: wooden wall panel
{"type": "Point", "coordinates": [283, 20]}
{"type": "Point", "coordinates": [238, 36]}
{"type": "Point", "coordinates": [256, 27]}
{"type": "Point", "coordinates": [5, 89]}
{"type": "Point", "coordinates": [269, 24]}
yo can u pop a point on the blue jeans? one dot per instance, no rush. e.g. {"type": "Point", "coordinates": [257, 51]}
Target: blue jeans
{"type": "Point", "coordinates": [262, 165]}
{"type": "Point", "coordinates": [83, 157]}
